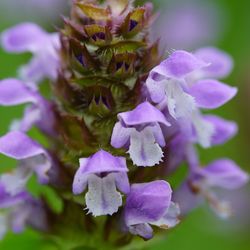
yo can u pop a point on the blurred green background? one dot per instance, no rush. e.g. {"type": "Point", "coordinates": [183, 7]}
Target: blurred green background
{"type": "Point", "coordinates": [221, 23]}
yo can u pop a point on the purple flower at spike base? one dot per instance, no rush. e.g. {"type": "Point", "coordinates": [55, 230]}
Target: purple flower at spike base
{"type": "Point", "coordinates": [29, 37]}
{"type": "Point", "coordinates": [30, 154]}
{"type": "Point", "coordinates": [140, 131]}
{"type": "Point", "coordinates": [150, 204]}
{"type": "Point", "coordinates": [15, 92]}
{"type": "Point", "coordinates": [102, 173]}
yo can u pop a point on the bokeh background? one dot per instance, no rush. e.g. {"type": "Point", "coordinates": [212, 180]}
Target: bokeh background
{"type": "Point", "coordinates": [182, 24]}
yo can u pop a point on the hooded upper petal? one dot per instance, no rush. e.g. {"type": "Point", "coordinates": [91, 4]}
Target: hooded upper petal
{"type": "Point", "coordinates": [19, 146]}
{"type": "Point", "coordinates": [224, 173]}
{"type": "Point", "coordinates": [23, 37]}
{"type": "Point", "coordinates": [211, 94]}
{"type": "Point", "coordinates": [15, 92]}
{"type": "Point", "coordinates": [220, 63]}
{"type": "Point", "coordinates": [144, 113]}
{"type": "Point", "coordinates": [179, 64]}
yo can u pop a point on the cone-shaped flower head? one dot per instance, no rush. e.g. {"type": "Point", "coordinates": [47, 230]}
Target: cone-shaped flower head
{"type": "Point", "coordinates": [103, 174]}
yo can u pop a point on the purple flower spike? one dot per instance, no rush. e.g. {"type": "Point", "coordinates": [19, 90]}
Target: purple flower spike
{"type": "Point", "coordinates": [14, 92]}
{"type": "Point", "coordinates": [102, 173]}
{"type": "Point", "coordinates": [220, 63]}
{"type": "Point", "coordinates": [18, 145]}
{"type": "Point", "coordinates": [30, 37]}
{"type": "Point", "coordinates": [150, 203]}
{"type": "Point", "coordinates": [210, 94]}
{"type": "Point", "coordinates": [223, 129]}
{"type": "Point", "coordinates": [140, 131]}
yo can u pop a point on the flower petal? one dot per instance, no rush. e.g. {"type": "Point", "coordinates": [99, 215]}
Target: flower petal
{"type": "Point", "coordinates": [15, 181]}
{"type": "Point", "coordinates": [103, 161]}
{"type": "Point", "coordinates": [204, 130]}
{"type": "Point", "coordinates": [158, 135]}
{"type": "Point", "coordinates": [14, 92]}
{"type": "Point", "coordinates": [18, 145]}
{"type": "Point", "coordinates": [80, 180]}
{"type": "Point", "coordinates": [23, 37]}
{"type": "Point", "coordinates": [147, 202]}
{"type": "Point", "coordinates": [120, 135]}
{"type": "Point", "coordinates": [170, 219]}
{"type": "Point", "coordinates": [102, 197]}
{"type": "Point", "coordinates": [143, 150]}
{"type": "Point", "coordinates": [180, 104]}
{"type": "Point", "coordinates": [144, 113]}
{"type": "Point", "coordinates": [156, 89]}
{"type": "Point", "coordinates": [224, 173]}
{"type": "Point", "coordinates": [211, 94]}
{"type": "Point", "coordinates": [224, 130]}
{"type": "Point", "coordinates": [122, 182]}
{"type": "Point", "coordinates": [220, 63]}
{"type": "Point", "coordinates": [179, 64]}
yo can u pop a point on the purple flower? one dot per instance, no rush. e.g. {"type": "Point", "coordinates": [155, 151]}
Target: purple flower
{"type": "Point", "coordinates": [15, 92]}
{"type": "Point", "coordinates": [222, 173]}
{"type": "Point", "coordinates": [140, 131]}
{"type": "Point", "coordinates": [180, 84]}
{"type": "Point", "coordinates": [103, 173]}
{"type": "Point", "coordinates": [21, 214]}
{"type": "Point", "coordinates": [30, 154]}
{"type": "Point", "coordinates": [150, 203]}
{"type": "Point", "coordinates": [31, 38]}
{"type": "Point", "coordinates": [14, 197]}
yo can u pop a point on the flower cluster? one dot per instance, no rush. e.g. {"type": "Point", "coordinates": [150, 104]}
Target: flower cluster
{"type": "Point", "coordinates": [127, 117]}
